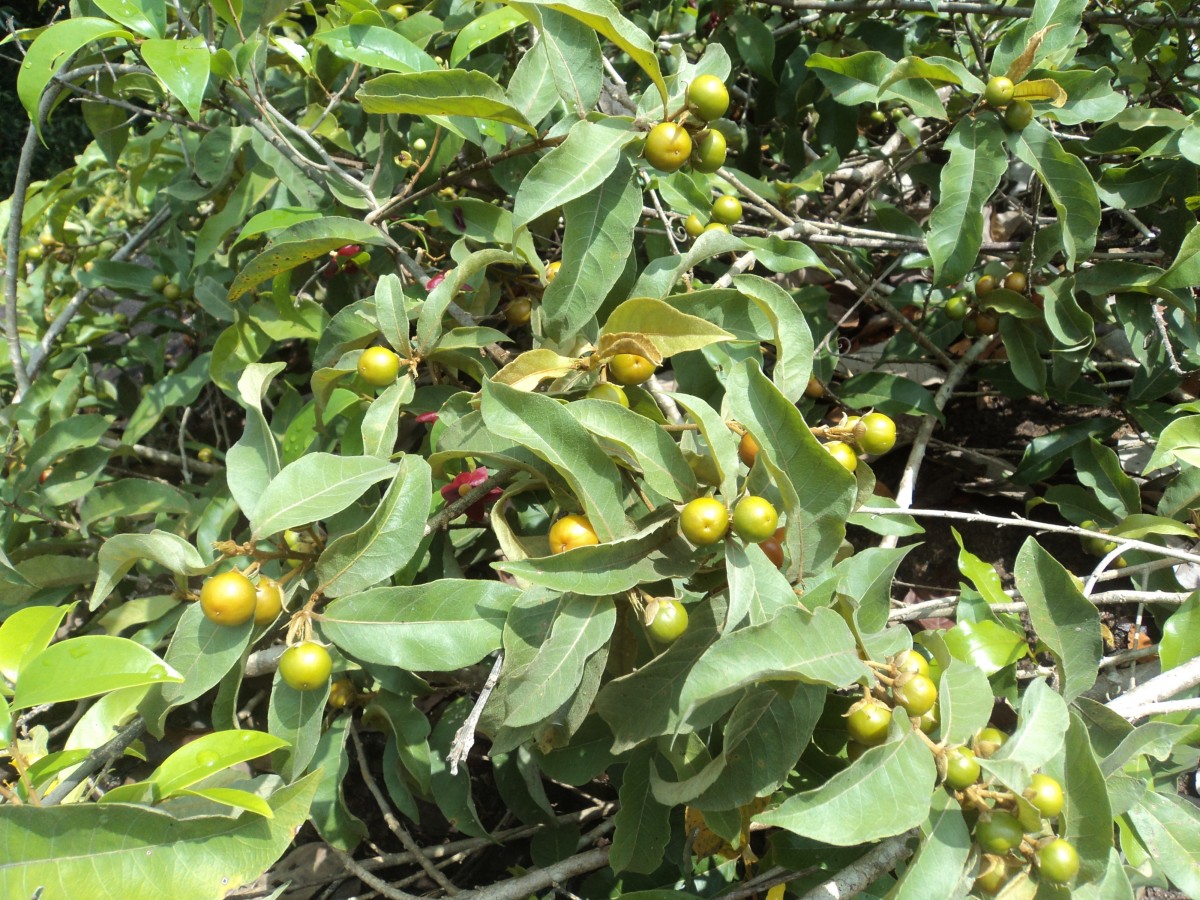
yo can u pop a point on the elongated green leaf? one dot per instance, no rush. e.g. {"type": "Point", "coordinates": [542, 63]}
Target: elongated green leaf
{"type": "Point", "coordinates": [429, 323]}
{"type": "Point", "coordinates": [1043, 722]}
{"type": "Point", "coordinates": [25, 634]}
{"type": "Point", "coordinates": [574, 168]}
{"type": "Point", "coordinates": [252, 462]}
{"type": "Point", "coordinates": [817, 648]}
{"type": "Point", "coordinates": [596, 244]}
{"type": "Point", "coordinates": [817, 492]}
{"type": "Point", "coordinates": [435, 627]}
{"type": "Point", "coordinates": [207, 754]}
{"type": "Point", "coordinates": [756, 586]}
{"type": "Point", "coordinates": [1170, 829]}
{"type": "Point", "coordinates": [203, 652]}
{"type": "Point", "coordinates": [793, 339]}
{"type": "Point", "coordinates": [985, 644]}
{"type": "Point", "coordinates": [1069, 184]}
{"type": "Point", "coordinates": [378, 48]}
{"type": "Point", "coordinates": [483, 29]}
{"type": "Point", "coordinates": [86, 666]}
{"type": "Point", "coordinates": [977, 162]}
{"type": "Point", "coordinates": [120, 552]}
{"type": "Point", "coordinates": [53, 48]}
{"type": "Point", "coordinates": [451, 791]}
{"type": "Point", "coordinates": [144, 17]}
{"type": "Point", "coordinates": [544, 427]}
{"type": "Point", "coordinates": [386, 542]}
{"type": "Point", "coordinates": [314, 487]}
{"type": "Point", "coordinates": [581, 627]}
{"type": "Point", "coordinates": [330, 815]}
{"type": "Point", "coordinates": [205, 856]}
{"type": "Point", "coordinates": [668, 329]}
{"type": "Point", "coordinates": [1054, 23]}
{"type": "Point", "coordinates": [301, 243]}
{"type": "Point", "coordinates": [604, 17]}
{"type": "Point", "coordinates": [1155, 739]}
{"type": "Point", "coordinates": [646, 703]}
{"type": "Point", "coordinates": [611, 567]}
{"type": "Point", "coordinates": [964, 701]}
{"type": "Point", "coordinates": [294, 719]}
{"type": "Point", "coordinates": [643, 827]}
{"type": "Point", "coordinates": [441, 93]}
{"type": "Point", "coordinates": [571, 53]}
{"type": "Point", "coordinates": [1062, 617]}
{"type": "Point", "coordinates": [182, 65]}
{"type": "Point", "coordinates": [176, 389]}
{"type": "Point", "coordinates": [937, 867]}
{"type": "Point", "coordinates": [844, 811]}
{"type": "Point", "coordinates": [1086, 820]}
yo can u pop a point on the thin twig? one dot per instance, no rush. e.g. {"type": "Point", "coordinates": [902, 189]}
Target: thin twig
{"type": "Point", "coordinates": [394, 824]}
{"type": "Point", "coordinates": [102, 756]}
{"type": "Point", "coordinates": [464, 738]}
{"type": "Point", "coordinates": [1019, 522]}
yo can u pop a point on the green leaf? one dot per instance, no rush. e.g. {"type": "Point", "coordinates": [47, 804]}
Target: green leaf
{"type": "Point", "coordinates": [1062, 618]}
{"type": "Point", "coordinates": [204, 856]}
{"type": "Point", "coordinates": [133, 498]}
{"type": "Point", "coordinates": [817, 648]}
{"type": "Point", "coordinates": [483, 29]}
{"type": "Point", "coordinates": [301, 243]}
{"type": "Point", "coordinates": [1180, 640]}
{"type": "Point", "coordinates": [937, 867]}
{"type": "Point", "coordinates": [253, 461]}
{"type": "Point", "coordinates": [1043, 722]}
{"type": "Point", "coordinates": [611, 567]}
{"type": "Point", "coordinates": [206, 755]}
{"type": "Point", "coordinates": [817, 492]}
{"type": "Point", "coordinates": [637, 442]}
{"type": "Point", "coordinates": [977, 163]}
{"type": "Point", "coordinates": [120, 552]}
{"type": "Point", "coordinates": [756, 587]}
{"type": "Point", "coordinates": [25, 634]}
{"type": "Point", "coordinates": [315, 487]}
{"type": "Point", "coordinates": [453, 792]}
{"type": "Point", "coordinates": [1069, 184]}
{"type": "Point", "coordinates": [1178, 442]}
{"type": "Point", "coordinates": [597, 241]}
{"type": "Point", "coordinates": [668, 329]}
{"type": "Point", "coordinates": [576, 167]}
{"type": "Point", "coordinates": [429, 323]}
{"type": "Point", "coordinates": [1157, 739]}
{"type": "Point", "coordinates": [570, 52]}
{"type": "Point", "coordinates": [1184, 270]}
{"type": "Point", "coordinates": [866, 578]}
{"type": "Point", "coordinates": [761, 741]}
{"type": "Point", "coordinates": [964, 701]}
{"type": "Point", "coordinates": [845, 810]}
{"type": "Point", "coordinates": [892, 394]}
{"type": "Point", "coordinates": [542, 425]}
{"type": "Point", "coordinates": [985, 644]}
{"type": "Point", "coordinates": [1054, 23]}
{"type": "Point", "coordinates": [1087, 818]}
{"type": "Point", "coordinates": [1170, 829]}
{"type": "Point", "coordinates": [330, 814]}
{"type": "Point", "coordinates": [238, 799]}
{"type": "Point", "coordinates": [175, 390]}
{"type": "Point", "coordinates": [783, 256]}
{"type": "Point", "coordinates": [144, 17]}
{"type": "Point", "coordinates": [181, 65]}
{"type": "Point", "coordinates": [436, 627]}
{"type": "Point", "coordinates": [604, 17]}
{"type": "Point", "coordinates": [793, 339]}
{"type": "Point", "coordinates": [387, 541]}
{"type": "Point", "coordinates": [294, 719]}
{"type": "Point", "coordinates": [86, 666]}
{"type": "Point", "coordinates": [456, 92]}
{"type": "Point", "coordinates": [646, 703]}
{"type": "Point", "coordinates": [643, 825]}
{"type": "Point", "coordinates": [582, 625]}
{"type": "Point", "coordinates": [203, 652]}
{"type": "Point", "coordinates": [377, 48]}
{"type": "Point", "coordinates": [52, 49]}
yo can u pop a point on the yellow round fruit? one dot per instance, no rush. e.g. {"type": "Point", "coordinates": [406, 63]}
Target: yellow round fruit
{"type": "Point", "coordinates": [704, 521]}
{"type": "Point", "coordinates": [629, 369]}
{"type": "Point", "coordinates": [668, 147]}
{"type": "Point", "coordinates": [378, 366]}
{"type": "Point", "coordinates": [268, 601]}
{"type": "Point", "coordinates": [570, 532]}
{"type": "Point", "coordinates": [229, 598]}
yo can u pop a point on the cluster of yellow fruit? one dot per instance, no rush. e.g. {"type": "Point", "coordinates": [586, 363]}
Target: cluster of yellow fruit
{"type": "Point", "coordinates": [726, 211]}
{"type": "Point", "coordinates": [671, 145]}
{"type": "Point", "coordinates": [232, 599]}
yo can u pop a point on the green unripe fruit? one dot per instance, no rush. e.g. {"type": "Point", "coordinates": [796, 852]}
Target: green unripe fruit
{"type": "Point", "coordinates": [727, 210]}
{"type": "Point", "coordinates": [693, 225]}
{"type": "Point", "coordinates": [670, 621]}
{"type": "Point", "coordinates": [1058, 861]}
{"type": "Point", "coordinates": [709, 153]}
{"type": "Point", "coordinates": [1018, 114]}
{"type": "Point", "coordinates": [999, 91]}
{"type": "Point", "coordinates": [708, 97]}
{"type": "Point", "coordinates": [755, 519]}
{"type": "Point", "coordinates": [962, 768]}
{"type": "Point", "coordinates": [999, 833]}
{"type": "Point", "coordinates": [609, 392]}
